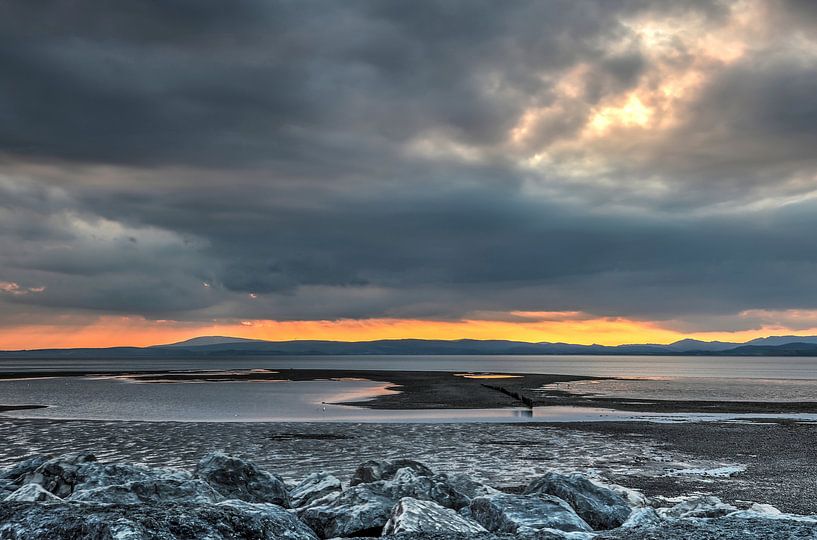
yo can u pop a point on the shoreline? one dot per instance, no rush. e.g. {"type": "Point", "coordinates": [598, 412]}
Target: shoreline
{"type": "Point", "coordinates": [777, 454]}
{"type": "Point", "coordinates": [447, 390]}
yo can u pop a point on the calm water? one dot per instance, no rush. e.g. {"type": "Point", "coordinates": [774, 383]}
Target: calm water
{"type": "Point", "coordinates": [672, 378]}
{"type": "Point", "coordinates": [608, 366]}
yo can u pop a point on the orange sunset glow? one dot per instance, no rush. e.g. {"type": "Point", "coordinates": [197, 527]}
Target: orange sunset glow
{"type": "Point", "coordinates": [113, 331]}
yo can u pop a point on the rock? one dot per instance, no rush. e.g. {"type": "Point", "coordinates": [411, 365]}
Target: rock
{"type": "Point", "coordinates": [33, 493]}
{"type": "Point", "coordinates": [358, 511]}
{"type": "Point", "coordinates": [67, 474]}
{"type": "Point", "coordinates": [25, 466]}
{"type": "Point", "coordinates": [524, 533]}
{"type": "Point", "coordinates": [415, 516]}
{"type": "Point", "coordinates": [506, 513]}
{"type": "Point", "coordinates": [233, 520]}
{"type": "Point", "coordinates": [58, 475]}
{"type": "Point", "coordinates": [312, 488]}
{"type": "Point", "coordinates": [467, 486]}
{"type": "Point", "coordinates": [96, 475]}
{"type": "Point", "coordinates": [698, 507]}
{"type": "Point", "coordinates": [6, 488]}
{"type": "Point", "coordinates": [150, 491]}
{"type": "Point", "coordinates": [284, 521]}
{"type": "Point", "coordinates": [407, 483]}
{"type": "Point", "coordinates": [374, 470]}
{"type": "Point", "coordinates": [237, 478]}
{"type": "Point", "coordinates": [643, 517]}
{"type": "Point", "coordinates": [600, 507]}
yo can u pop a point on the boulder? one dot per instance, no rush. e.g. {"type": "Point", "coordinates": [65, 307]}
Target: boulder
{"type": "Point", "coordinates": [33, 493]}
{"type": "Point", "coordinates": [58, 475]}
{"type": "Point", "coordinates": [237, 478]}
{"type": "Point", "coordinates": [406, 482]}
{"type": "Point", "coordinates": [414, 516]}
{"type": "Point", "coordinates": [6, 487]}
{"type": "Point", "coordinates": [24, 466]}
{"type": "Point", "coordinates": [150, 491]}
{"type": "Point", "coordinates": [312, 488]}
{"type": "Point", "coordinates": [96, 475]}
{"type": "Point", "coordinates": [643, 517]}
{"type": "Point", "coordinates": [506, 513]}
{"type": "Point", "coordinates": [67, 474]}
{"type": "Point", "coordinates": [467, 486]}
{"type": "Point", "coordinates": [374, 470]}
{"type": "Point", "coordinates": [358, 511]}
{"type": "Point", "coordinates": [698, 507]}
{"type": "Point", "coordinates": [223, 521]}
{"type": "Point", "coordinates": [600, 507]}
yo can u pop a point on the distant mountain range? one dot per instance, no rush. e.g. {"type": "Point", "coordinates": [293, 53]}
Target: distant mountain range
{"type": "Point", "coordinates": [232, 346]}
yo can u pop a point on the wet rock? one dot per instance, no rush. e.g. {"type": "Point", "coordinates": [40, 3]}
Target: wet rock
{"type": "Point", "coordinates": [358, 511]}
{"type": "Point", "coordinates": [374, 470]}
{"type": "Point", "coordinates": [27, 465]}
{"type": "Point", "coordinates": [58, 475]}
{"type": "Point", "coordinates": [698, 507]}
{"type": "Point", "coordinates": [237, 478]}
{"type": "Point", "coordinates": [6, 488]}
{"type": "Point", "coordinates": [32, 493]}
{"type": "Point", "coordinates": [313, 487]}
{"type": "Point", "coordinates": [467, 486]}
{"type": "Point", "coordinates": [96, 475]}
{"type": "Point", "coordinates": [406, 482]}
{"type": "Point", "coordinates": [643, 517]}
{"type": "Point", "coordinates": [506, 513]}
{"type": "Point", "coordinates": [414, 516]}
{"type": "Point", "coordinates": [150, 491]}
{"type": "Point", "coordinates": [32, 521]}
{"type": "Point", "coordinates": [600, 507]}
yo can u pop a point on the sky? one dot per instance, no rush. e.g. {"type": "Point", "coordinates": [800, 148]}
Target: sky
{"type": "Point", "coordinates": [591, 171]}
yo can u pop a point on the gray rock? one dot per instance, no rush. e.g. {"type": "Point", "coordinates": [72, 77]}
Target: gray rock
{"type": "Point", "coordinates": [406, 482]}
{"type": "Point", "coordinates": [506, 513]}
{"type": "Point", "coordinates": [223, 521]}
{"type": "Point", "coordinates": [33, 493]}
{"type": "Point", "coordinates": [374, 470]}
{"type": "Point", "coordinates": [467, 486]}
{"type": "Point", "coordinates": [6, 487]}
{"type": "Point", "coordinates": [237, 478]}
{"type": "Point", "coordinates": [24, 466]}
{"type": "Point", "coordinates": [600, 507]}
{"type": "Point", "coordinates": [150, 491]}
{"type": "Point", "coordinates": [698, 507]}
{"type": "Point", "coordinates": [314, 487]}
{"type": "Point", "coordinates": [358, 511]}
{"type": "Point", "coordinates": [58, 475]}
{"type": "Point", "coordinates": [643, 517]}
{"type": "Point", "coordinates": [96, 475]}
{"type": "Point", "coordinates": [414, 516]}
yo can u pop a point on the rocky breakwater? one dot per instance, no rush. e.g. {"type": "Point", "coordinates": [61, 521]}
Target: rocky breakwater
{"type": "Point", "coordinates": [227, 497]}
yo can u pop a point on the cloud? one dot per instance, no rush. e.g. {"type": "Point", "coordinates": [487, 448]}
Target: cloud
{"type": "Point", "coordinates": [438, 160]}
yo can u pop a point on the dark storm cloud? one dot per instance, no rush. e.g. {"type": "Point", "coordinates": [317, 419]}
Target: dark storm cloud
{"type": "Point", "coordinates": [356, 159]}
{"type": "Point", "coordinates": [202, 84]}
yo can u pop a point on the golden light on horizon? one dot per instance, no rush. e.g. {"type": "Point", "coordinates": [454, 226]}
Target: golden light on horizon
{"type": "Point", "coordinates": [568, 327]}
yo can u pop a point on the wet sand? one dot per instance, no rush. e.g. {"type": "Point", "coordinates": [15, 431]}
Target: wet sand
{"type": "Point", "coordinates": [781, 468]}
{"type": "Point", "coordinates": [444, 390]}
{"type": "Point", "coordinates": [5, 408]}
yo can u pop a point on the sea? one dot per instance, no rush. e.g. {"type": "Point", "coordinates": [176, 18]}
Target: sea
{"type": "Point", "coordinates": [113, 398]}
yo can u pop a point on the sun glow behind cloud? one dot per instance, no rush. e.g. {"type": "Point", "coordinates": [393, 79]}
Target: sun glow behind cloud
{"type": "Point", "coordinates": [568, 327]}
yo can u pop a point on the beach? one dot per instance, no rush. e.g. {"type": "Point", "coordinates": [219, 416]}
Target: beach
{"type": "Point", "coordinates": [750, 459]}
